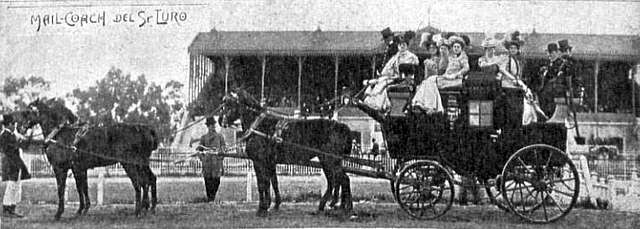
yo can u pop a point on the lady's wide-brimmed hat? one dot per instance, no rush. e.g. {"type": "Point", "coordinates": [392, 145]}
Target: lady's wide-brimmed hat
{"type": "Point", "coordinates": [457, 39]}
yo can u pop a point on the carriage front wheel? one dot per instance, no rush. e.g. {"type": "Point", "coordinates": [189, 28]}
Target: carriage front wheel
{"type": "Point", "coordinates": [424, 189]}
{"type": "Point", "coordinates": [540, 183]}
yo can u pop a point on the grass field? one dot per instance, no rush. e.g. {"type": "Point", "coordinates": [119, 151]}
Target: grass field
{"type": "Point", "coordinates": [182, 207]}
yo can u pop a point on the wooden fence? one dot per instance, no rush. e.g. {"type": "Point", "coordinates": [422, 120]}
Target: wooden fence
{"type": "Point", "coordinates": [163, 166]}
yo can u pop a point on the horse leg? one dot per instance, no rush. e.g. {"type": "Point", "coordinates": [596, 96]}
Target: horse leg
{"type": "Point", "coordinates": [85, 192]}
{"type": "Point", "coordinates": [134, 175]}
{"type": "Point", "coordinates": [336, 195]}
{"type": "Point", "coordinates": [330, 186]}
{"type": "Point", "coordinates": [154, 194]}
{"type": "Point", "coordinates": [261, 177]}
{"type": "Point", "coordinates": [276, 190]}
{"type": "Point", "coordinates": [146, 183]}
{"type": "Point", "coordinates": [347, 203]}
{"type": "Point", "coordinates": [80, 176]}
{"type": "Point", "coordinates": [61, 181]}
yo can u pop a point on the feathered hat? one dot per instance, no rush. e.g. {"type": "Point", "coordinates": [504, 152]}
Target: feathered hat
{"type": "Point", "coordinates": [456, 39]}
{"type": "Point", "coordinates": [405, 37]}
{"type": "Point", "coordinates": [489, 40]}
{"type": "Point", "coordinates": [426, 40]}
{"type": "Point", "coordinates": [513, 38]}
{"type": "Point", "coordinates": [386, 32]}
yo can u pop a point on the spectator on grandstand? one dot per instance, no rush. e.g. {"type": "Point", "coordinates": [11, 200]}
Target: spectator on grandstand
{"type": "Point", "coordinates": [375, 149]}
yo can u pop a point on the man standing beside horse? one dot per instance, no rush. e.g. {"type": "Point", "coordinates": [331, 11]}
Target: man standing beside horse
{"type": "Point", "coordinates": [13, 168]}
{"type": "Point", "coordinates": [212, 167]}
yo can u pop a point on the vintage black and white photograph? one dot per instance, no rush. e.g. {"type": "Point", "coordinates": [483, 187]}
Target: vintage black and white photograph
{"type": "Point", "coordinates": [320, 114]}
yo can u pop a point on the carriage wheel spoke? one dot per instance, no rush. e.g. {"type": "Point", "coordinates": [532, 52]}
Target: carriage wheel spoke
{"type": "Point", "coordinates": [546, 165]}
{"type": "Point", "coordinates": [523, 206]}
{"type": "Point", "coordinates": [555, 202]}
{"type": "Point", "coordinates": [522, 162]}
{"type": "Point", "coordinates": [537, 158]}
{"type": "Point", "coordinates": [517, 188]}
{"type": "Point", "coordinates": [563, 193]}
{"type": "Point", "coordinates": [529, 195]}
{"type": "Point", "coordinates": [544, 207]}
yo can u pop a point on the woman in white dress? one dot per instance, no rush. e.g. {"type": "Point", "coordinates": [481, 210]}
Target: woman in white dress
{"type": "Point", "coordinates": [376, 92]}
{"type": "Point", "coordinates": [428, 97]}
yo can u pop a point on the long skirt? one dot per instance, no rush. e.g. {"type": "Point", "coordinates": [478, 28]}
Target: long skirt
{"type": "Point", "coordinates": [427, 95]}
{"type": "Point", "coordinates": [376, 95]}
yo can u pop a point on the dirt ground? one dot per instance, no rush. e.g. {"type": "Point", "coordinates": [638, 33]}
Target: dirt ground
{"type": "Point", "coordinates": [182, 206]}
{"type": "Point", "coordinates": [242, 215]}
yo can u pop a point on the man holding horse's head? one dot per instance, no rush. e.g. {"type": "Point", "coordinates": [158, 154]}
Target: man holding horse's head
{"type": "Point", "coordinates": [13, 168]}
{"type": "Point", "coordinates": [210, 144]}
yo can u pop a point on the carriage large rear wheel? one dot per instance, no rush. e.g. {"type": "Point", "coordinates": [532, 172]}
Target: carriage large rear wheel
{"type": "Point", "coordinates": [540, 183]}
{"type": "Point", "coordinates": [424, 189]}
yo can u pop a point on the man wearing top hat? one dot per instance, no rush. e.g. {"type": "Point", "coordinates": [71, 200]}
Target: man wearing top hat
{"type": "Point", "coordinates": [13, 168]}
{"type": "Point", "coordinates": [390, 48]}
{"type": "Point", "coordinates": [551, 85]}
{"type": "Point", "coordinates": [212, 167]}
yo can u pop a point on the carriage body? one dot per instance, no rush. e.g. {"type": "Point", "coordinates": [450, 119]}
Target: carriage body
{"type": "Point", "coordinates": [478, 132]}
{"type": "Point", "coordinates": [523, 167]}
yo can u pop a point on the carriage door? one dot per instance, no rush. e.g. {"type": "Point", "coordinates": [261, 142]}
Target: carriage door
{"type": "Point", "coordinates": [481, 113]}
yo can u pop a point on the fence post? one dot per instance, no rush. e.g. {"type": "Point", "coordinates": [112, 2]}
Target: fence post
{"type": "Point", "coordinates": [611, 188]}
{"type": "Point", "coordinates": [584, 165]}
{"type": "Point", "coordinates": [634, 181]}
{"type": "Point", "coordinates": [249, 186]}
{"type": "Point", "coordinates": [100, 189]}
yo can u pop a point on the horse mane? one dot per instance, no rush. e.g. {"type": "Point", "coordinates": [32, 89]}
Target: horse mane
{"type": "Point", "coordinates": [60, 113]}
{"type": "Point", "coordinates": [247, 99]}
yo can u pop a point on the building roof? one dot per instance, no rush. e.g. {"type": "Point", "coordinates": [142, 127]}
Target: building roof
{"type": "Point", "coordinates": [303, 43]}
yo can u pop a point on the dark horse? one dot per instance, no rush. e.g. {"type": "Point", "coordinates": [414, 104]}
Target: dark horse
{"type": "Point", "coordinates": [80, 147]}
{"type": "Point", "coordinates": [321, 134]}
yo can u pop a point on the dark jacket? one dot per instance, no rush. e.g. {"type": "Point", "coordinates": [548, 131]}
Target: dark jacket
{"type": "Point", "coordinates": [212, 165]}
{"type": "Point", "coordinates": [12, 164]}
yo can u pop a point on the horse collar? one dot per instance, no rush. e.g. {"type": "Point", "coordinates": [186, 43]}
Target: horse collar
{"type": "Point", "coordinates": [252, 128]}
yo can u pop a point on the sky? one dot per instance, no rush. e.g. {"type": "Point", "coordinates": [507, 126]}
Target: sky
{"type": "Point", "coordinates": [79, 55]}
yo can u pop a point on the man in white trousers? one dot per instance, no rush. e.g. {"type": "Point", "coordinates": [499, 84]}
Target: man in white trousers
{"type": "Point", "coordinates": [13, 168]}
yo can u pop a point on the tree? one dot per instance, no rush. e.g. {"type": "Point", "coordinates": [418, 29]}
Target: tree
{"type": "Point", "coordinates": [120, 98]}
{"type": "Point", "coordinates": [18, 92]}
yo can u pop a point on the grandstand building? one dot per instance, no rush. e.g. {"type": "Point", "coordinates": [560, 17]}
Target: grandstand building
{"type": "Point", "coordinates": [293, 70]}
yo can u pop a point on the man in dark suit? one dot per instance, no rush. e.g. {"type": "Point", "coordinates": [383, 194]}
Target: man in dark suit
{"type": "Point", "coordinates": [552, 87]}
{"type": "Point", "coordinates": [13, 168]}
{"type": "Point", "coordinates": [390, 48]}
{"type": "Point", "coordinates": [212, 165]}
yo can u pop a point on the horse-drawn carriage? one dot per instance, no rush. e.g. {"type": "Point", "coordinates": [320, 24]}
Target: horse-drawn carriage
{"type": "Point", "coordinates": [481, 135]}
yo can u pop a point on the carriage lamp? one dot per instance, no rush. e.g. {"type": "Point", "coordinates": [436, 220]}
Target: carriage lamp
{"type": "Point", "coordinates": [481, 113]}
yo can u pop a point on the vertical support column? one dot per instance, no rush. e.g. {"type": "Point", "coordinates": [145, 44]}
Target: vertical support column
{"type": "Point", "coordinates": [373, 67]}
{"type": "Point", "coordinates": [249, 186]}
{"type": "Point", "coordinates": [264, 68]}
{"type": "Point", "coordinates": [335, 77]}
{"type": "Point", "coordinates": [190, 88]}
{"type": "Point", "coordinates": [227, 63]}
{"type": "Point", "coordinates": [300, 83]}
{"type": "Point", "coordinates": [595, 92]}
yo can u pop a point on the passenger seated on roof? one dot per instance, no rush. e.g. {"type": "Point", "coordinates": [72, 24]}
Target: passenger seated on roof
{"type": "Point", "coordinates": [401, 66]}
{"type": "Point", "coordinates": [427, 95]}
{"type": "Point", "coordinates": [434, 65]}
